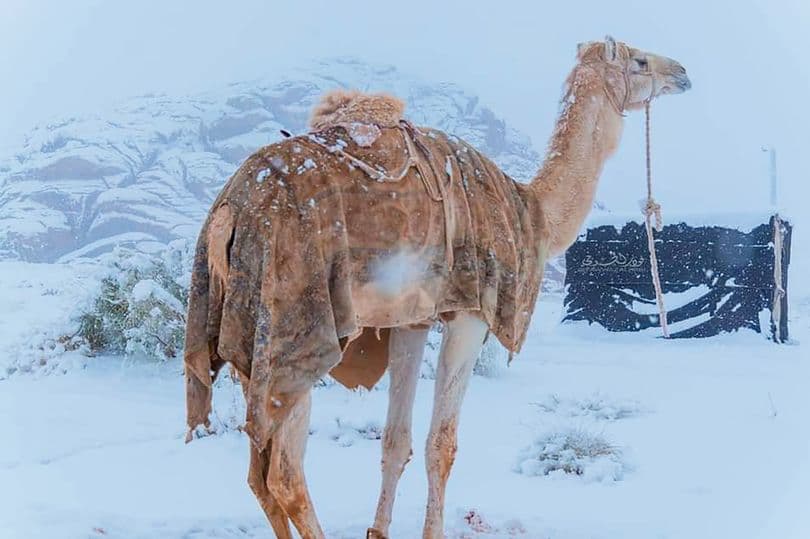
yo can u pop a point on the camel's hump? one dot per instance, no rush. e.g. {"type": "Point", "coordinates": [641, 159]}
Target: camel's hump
{"type": "Point", "coordinates": [344, 107]}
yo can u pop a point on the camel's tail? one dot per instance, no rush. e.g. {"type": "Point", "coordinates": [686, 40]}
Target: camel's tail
{"type": "Point", "coordinates": [206, 295]}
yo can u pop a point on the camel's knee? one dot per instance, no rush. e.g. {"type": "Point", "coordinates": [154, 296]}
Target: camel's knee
{"type": "Point", "coordinates": [285, 475]}
{"type": "Point", "coordinates": [257, 484]}
{"type": "Point", "coordinates": [257, 472]}
{"type": "Point", "coordinates": [285, 480]}
{"type": "Point", "coordinates": [441, 449]}
{"type": "Point", "coordinates": [397, 451]}
{"type": "Point", "coordinates": [289, 490]}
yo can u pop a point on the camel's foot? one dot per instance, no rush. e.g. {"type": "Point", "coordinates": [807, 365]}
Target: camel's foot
{"type": "Point", "coordinates": [372, 533]}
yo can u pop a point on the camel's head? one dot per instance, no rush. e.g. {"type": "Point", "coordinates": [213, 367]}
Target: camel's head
{"type": "Point", "coordinates": [633, 76]}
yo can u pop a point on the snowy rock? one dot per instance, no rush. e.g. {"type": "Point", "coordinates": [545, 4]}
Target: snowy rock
{"type": "Point", "coordinates": [148, 171]}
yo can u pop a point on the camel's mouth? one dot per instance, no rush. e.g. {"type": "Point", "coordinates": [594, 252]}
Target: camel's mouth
{"type": "Point", "coordinates": [676, 85]}
{"type": "Point", "coordinates": [682, 83]}
{"type": "Point", "coordinates": [677, 80]}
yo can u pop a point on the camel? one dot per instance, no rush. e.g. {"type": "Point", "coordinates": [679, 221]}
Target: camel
{"type": "Point", "coordinates": [334, 253]}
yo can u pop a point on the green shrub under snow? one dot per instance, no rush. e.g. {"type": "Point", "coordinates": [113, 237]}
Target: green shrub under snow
{"type": "Point", "coordinates": [573, 452]}
{"type": "Point", "coordinates": [141, 305]}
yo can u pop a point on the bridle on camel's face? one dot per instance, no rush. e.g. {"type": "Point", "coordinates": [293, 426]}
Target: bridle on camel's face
{"type": "Point", "coordinates": [625, 71]}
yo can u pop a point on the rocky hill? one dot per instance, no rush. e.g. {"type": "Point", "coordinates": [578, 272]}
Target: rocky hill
{"type": "Point", "coordinates": [148, 170]}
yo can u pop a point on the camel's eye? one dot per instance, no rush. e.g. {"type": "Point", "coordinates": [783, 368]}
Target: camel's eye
{"type": "Point", "coordinates": [642, 64]}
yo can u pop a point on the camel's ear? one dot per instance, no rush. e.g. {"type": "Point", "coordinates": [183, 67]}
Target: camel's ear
{"type": "Point", "coordinates": [583, 48]}
{"type": "Point", "coordinates": [610, 49]}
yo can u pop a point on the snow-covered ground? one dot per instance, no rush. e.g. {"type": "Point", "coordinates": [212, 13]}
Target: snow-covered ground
{"type": "Point", "coordinates": [710, 438]}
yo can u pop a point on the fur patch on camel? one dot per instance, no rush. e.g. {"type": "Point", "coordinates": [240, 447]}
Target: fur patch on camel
{"type": "Point", "coordinates": [361, 115]}
{"type": "Point", "coordinates": [347, 106]}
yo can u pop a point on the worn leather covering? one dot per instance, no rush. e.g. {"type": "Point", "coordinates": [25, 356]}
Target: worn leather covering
{"type": "Point", "coordinates": [305, 257]}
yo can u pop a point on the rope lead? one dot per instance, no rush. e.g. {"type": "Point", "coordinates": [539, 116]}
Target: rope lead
{"type": "Point", "coordinates": [652, 208]}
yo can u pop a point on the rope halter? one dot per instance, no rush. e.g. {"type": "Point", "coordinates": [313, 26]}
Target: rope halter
{"type": "Point", "coordinates": [602, 69]}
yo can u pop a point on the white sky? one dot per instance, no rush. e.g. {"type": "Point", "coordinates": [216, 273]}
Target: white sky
{"type": "Point", "coordinates": [747, 60]}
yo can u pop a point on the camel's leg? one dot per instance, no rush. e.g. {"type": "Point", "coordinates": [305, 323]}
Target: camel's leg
{"type": "Point", "coordinates": [257, 479]}
{"type": "Point", "coordinates": [405, 351]}
{"type": "Point", "coordinates": [461, 345]}
{"type": "Point", "coordinates": [286, 477]}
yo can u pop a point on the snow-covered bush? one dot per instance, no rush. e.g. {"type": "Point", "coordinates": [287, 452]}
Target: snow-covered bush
{"type": "Point", "coordinates": [141, 305]}
{"type": "Point", "coordinates": [573, 452]}
{"type": "Point", "coordinates": [596, 406]}
{"type": "Point", "coordinates": [44, 355]}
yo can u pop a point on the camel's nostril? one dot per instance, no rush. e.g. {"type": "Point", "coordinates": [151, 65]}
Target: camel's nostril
{"type": "Point", "coordinates": [684, 83]}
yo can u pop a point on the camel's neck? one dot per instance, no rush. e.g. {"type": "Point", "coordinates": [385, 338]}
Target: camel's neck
{"type": "Point", "coordinates": [587, 133]}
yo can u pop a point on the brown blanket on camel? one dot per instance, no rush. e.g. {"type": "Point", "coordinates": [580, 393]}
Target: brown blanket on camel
{"type": "Point", "coordinates": [321, 242]}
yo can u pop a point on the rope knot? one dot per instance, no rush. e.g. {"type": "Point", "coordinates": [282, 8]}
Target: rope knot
{"type": "Point", "coordinates": [653, 208]}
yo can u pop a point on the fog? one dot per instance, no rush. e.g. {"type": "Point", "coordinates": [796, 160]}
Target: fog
{"type": "Point", "coordinates": [751, 78]}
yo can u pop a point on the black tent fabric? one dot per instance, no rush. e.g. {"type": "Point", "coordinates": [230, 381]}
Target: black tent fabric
{"type": "Point", "coordinates": [726, 276]}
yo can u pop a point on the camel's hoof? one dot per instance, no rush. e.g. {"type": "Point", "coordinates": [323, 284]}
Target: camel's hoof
{"type": "Point", "coordinates": [371, 533]}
